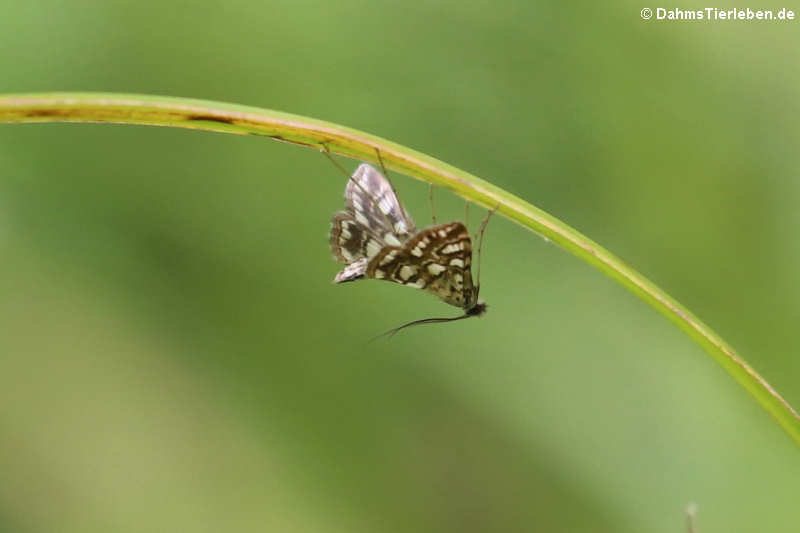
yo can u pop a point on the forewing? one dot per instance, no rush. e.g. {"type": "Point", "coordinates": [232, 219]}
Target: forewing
{"type": "Point", "coordinates": [371, 200]}
{"type": "Point", "coordinates": [436, 259]}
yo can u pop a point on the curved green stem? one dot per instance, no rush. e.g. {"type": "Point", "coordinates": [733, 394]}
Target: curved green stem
{"type": "Point", "coordinates": [228, 118]}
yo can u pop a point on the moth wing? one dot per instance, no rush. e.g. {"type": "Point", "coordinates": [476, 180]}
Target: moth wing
{"type": "Point", "coordinates": [350, 241]}
{"type": "Point", "coordinates": [352, 272]}
{"type": "Point", "coordinates": [371, 200]}
{"type": "Point", "coordinates": [437, 259]}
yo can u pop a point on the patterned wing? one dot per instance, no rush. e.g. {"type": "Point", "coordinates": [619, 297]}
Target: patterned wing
{"type": "Point", "coordinates": [351, 241]}
{"type": "Point", "coordinates": [369, 197]}
{"type": "Point", "coordinates": [374, 219]}
{"type": "Point", "coordinates": [352, 272]}
{"type": "Point", "coordinates": [436, 259]}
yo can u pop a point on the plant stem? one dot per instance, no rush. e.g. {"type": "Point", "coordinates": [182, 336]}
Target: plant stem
{"type": "Point", "coordinates": [229, 118]}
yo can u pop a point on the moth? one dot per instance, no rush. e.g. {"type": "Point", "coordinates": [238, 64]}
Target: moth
{"type": "Point", "coordinates": [374, 237]}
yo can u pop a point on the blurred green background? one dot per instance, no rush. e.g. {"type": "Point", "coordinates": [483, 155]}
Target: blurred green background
{"type": "Point", "coordinates": [174, 357]}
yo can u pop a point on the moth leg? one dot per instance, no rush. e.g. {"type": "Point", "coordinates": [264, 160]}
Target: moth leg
{"type": "Point", "coordinates": [386, 175]}
{"type": "Point", "coordinates": [430, 200]}
{"type": "Point", "coordinates": [383, 169]}
{"type": "Point", "coordinates": [327, 153]}
{"type": "Point", "coordinates": [479, 238]}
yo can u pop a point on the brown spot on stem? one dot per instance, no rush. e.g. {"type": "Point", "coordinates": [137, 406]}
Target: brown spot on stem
{"type": "Point", "coordinates": [210, 118]}
{"type": "Point", "coordinates": [44, 113]}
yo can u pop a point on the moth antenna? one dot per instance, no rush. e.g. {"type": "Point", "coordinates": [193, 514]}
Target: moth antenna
{"type": "Point", "coordinates": [392, 332]}
{"type": "Point", "coordinates": [327, 153]}
{"type": "Point", "coordinates": [466, 213]}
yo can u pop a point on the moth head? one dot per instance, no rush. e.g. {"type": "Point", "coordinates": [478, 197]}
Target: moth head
{"type": "Point", "coordinates": [474, 306]}
{"type": "Point", "coordinates": [479, 309]}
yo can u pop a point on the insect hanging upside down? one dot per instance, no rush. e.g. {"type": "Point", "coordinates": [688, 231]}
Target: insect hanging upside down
{"type": "Point", "coordinates": [375, 238]}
